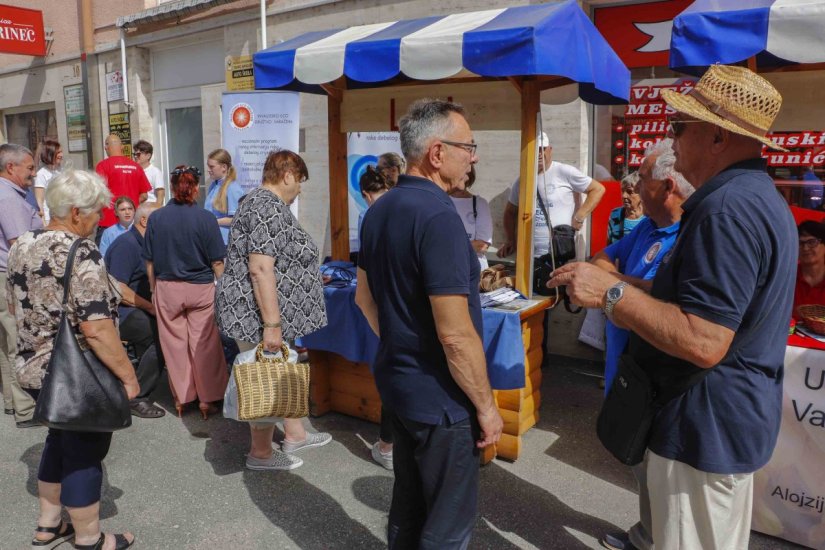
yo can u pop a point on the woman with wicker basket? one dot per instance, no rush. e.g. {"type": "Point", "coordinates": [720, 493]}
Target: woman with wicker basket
{"type": "Point", "coordinates": [810, 276]}
{"type": "Point", "coordinates": [271, 292]}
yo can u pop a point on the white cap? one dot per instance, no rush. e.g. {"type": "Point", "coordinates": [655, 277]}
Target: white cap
{"type": "Point", "coordinates": [544, 141]}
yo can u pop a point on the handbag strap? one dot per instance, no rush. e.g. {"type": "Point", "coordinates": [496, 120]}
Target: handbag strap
{"type": "Point", "coordinates": [67, 276]}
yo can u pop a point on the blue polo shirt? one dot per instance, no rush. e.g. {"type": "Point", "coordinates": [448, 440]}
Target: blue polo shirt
{"type": "Point", "coordinates": [110, 234]}
{"type": "Point", "coordinates": [413, 246]}
{"type": "Point", "coordinates": [123, 262]}
{"type": "Point", "coordinates": [182, 241]}
{"type": "Point", "coordinates": [732, 265]}
{"type": "Point", "coordinates": [639, 253]}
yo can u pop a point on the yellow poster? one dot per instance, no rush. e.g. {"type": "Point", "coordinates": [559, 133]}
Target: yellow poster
{"type": "Point", "coordinates": [239, 74]}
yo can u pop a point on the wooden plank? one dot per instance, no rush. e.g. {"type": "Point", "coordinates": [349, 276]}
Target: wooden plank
{"type": "Point", "coordinates": [358, 386]}
{"type": "Point", "coordinates": [527, 187]}
{"type": "Point", "coordinates": [318, 383]}
{"type": "Point", "coordinates": [488, 453]}
{"type": "Point", "coordinates": [518, 422]}
{"type": "Point", "coordinates": [508, 447]}
{"type": "Point", "coordinates": [356, 406]}
{"type": "Point", "coordinates": [341, 363]}
{"type": "Point", "coordinates": [515, 400]}
{"type": "Point", "coordinates": [338, 186]}
{"type": "Point", "coordinates": [533, 359]}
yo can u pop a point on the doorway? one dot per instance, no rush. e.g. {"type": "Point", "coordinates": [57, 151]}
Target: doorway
{"type": "Point", "coordinates": [182, 134]}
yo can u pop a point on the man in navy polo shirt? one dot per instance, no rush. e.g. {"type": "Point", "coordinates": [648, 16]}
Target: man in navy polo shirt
{"type": "Point", "coordinates": [418, 287]}
{"type": "Point", "coordinates": [137, 325]}
{"type": "Point", "coordinates": [715, 324]}
{"type": "Point", "coordinates": [637, 257]}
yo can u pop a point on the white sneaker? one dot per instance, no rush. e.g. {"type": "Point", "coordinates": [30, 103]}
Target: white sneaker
{"type": "Point", "coordinates": [382, 458]}
{"type": "Point", "coordinates": [278, 461]}
{"type": "Point", "coordinates": [312, 440]}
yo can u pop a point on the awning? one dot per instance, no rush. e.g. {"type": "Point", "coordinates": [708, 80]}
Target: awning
{"type": "Point", "coordinates": [544, 40]}
{"type": "Point", "coordinates": [777, 32]}
{"type": "Point", "coordinates": [168, 10]}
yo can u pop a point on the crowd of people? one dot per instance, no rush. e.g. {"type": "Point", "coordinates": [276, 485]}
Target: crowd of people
{"type": "Point", "coordinates": [694, 284]}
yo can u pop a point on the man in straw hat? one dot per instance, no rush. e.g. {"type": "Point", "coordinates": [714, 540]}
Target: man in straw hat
{"type": "Point", "coordinates": [714, 326]}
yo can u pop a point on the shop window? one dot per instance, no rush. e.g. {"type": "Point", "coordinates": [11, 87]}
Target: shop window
{"type": "Point", "coordinates": [29, 129]}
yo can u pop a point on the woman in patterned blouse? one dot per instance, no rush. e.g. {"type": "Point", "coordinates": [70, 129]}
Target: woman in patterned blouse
{"type": "Point", "coordinates": [271, 291]}
{"type": "Point", "coordinates": [70, 472]}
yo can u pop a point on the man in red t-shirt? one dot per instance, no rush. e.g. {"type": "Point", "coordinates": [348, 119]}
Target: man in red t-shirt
{"type": "Point", "coordinates": [123, 176]}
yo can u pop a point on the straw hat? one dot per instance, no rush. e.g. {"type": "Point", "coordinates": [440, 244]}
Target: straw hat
{"type": "Point", "coordinates": [734, 98]}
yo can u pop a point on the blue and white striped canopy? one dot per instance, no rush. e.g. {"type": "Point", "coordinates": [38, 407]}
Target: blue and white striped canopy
{"type": "Point", "coordinates": [542, 40]}
{"type": "Point", "coordinates": [777, 32]}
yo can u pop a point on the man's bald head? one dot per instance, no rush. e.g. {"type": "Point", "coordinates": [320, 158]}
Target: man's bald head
{"type": "Point", "coordinates": [114, 148]}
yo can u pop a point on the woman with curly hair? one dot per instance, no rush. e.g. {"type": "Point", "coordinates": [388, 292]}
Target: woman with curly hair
{"type": "Point", "coordinates": [184, 252]}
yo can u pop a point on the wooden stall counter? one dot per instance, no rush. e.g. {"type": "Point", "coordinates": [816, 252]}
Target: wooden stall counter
{"type": "Point", "coordinates": [345, 386]}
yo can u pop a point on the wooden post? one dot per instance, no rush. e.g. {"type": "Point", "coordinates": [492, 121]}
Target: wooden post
{"type": "Point", "coordinates": [338, 185]}
{"type": "Point", "coordinates": [527, 186]}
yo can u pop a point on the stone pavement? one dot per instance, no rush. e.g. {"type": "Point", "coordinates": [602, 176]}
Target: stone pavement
{"type": "Point", "coordinates": [181, 483]}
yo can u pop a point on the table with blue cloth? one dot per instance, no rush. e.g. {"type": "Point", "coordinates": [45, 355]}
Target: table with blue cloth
{"type": "Point", "coordinates": [341, 355]}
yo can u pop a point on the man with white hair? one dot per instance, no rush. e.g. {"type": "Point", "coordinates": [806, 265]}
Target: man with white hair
{"type": "Point", "coordinates": [138, 326]}
{"type": "Point", "coordinates": [635, 259]}
{"type": "Point", "coordinates": [418, 282]}
{"type": "Point", "coordinates": [17, 171]}
{"type": "Point", "coordinates": [711, 334]}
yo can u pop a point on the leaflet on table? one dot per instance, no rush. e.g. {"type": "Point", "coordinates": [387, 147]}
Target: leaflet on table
{"type": "Point", "coordinates": [803, 331]}
{"type": "Point", "coordinates": [499, 296]}
{"type": "Point", "coordinates": [519, 304]}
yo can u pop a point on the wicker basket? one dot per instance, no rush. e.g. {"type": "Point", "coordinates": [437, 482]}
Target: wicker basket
{"type": "Point", "coordinates": [813, 315]}
{"type": "Point", "coordinates": [272, 386]}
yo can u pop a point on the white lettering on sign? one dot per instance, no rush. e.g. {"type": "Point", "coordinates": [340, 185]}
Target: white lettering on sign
{"type": "Point", "coordinates": [19, 33]}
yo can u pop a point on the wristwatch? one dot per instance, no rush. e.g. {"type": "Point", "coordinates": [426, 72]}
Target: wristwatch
{"type": "Point", "coordinates": [612, 297]}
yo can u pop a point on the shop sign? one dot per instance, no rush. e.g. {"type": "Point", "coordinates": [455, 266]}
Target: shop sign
{"type": "Point", "coordinates": [119, 125]}
{"type": "Point", "coordinates": [640, 33]}
{"type": "Point", "coordinates": [240, 74]}
{"type": "Point", "coordinates": [75, 117]}
{"type": "Point", "coordinates": [21, 31]}
{"type": "Point", "coordinates": [114, 86]}
{"type": "Point", "coordinates": [808, 149]}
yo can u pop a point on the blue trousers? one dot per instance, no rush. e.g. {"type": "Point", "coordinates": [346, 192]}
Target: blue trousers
{"type": "Point", "coordinates": [434, 499]}
{"type": "Point", "coordinates": [75, 461]}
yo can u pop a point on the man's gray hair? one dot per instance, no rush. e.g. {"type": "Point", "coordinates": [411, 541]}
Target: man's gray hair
{"type": "Point", "coordinates": [145, 209]}
{"type": "Point", "coordinates": [426, 119]}
{"type": "Point", "coordinates": [664, 166]}
{"type": "Point", "coordinates": [76, 189]}
{"type": "Point", "coordinates": [12, 153]}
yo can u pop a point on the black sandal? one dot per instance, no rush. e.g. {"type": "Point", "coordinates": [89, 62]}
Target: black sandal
{"type": "Point", "coordinates": [145, 409]}
{"type": "Point", "coordinates": [121, 543]}
{"type": "Point", "coordinates": [58, 538]}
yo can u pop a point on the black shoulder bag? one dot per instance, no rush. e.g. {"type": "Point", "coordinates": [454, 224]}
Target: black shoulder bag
{"type": "Point", "coordinates": [563, 243]}
{"type": "Point", "coordinates": [79, 393]}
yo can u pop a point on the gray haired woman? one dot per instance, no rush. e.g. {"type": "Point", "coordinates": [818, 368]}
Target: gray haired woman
{"type": "Point", "coordinates": [70, 472]}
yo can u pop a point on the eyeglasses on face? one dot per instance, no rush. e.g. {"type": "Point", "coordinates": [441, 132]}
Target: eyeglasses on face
{"type": "Point", "coordinates": [810, 243]}
{"type": "Point", "coordinates": [469, 147]}
{"type": "Point", "coordinates": [677, 126]}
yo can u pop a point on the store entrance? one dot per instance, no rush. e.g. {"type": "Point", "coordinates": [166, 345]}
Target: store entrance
{"type": "Point", "coordinates": [182, 133]}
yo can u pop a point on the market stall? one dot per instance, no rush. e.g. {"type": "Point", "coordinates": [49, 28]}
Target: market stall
{"type": "Point", "coordinates": [783, 41]}
{"type": "Point", "coordinates": [500, 64]}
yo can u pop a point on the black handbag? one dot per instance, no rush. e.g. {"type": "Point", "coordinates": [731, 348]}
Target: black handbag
{"type": "Point", "coordinates": [630, 407]}
{"type": "Point", "coordinates": [563, 243]}
{"type": "Point", "coordinates": [79, 393]}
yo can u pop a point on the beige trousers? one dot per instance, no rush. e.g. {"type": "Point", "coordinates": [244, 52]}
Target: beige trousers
{"type": "Point", "coordinates": [698, 510]}
{"type": "Point", "coordinates": [13, 395]}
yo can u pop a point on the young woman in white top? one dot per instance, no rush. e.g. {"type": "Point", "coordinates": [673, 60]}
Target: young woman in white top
{"type": "Point", "coordinates": [51, 157]}
{"type": "Point", "coordinates": [475, 213]}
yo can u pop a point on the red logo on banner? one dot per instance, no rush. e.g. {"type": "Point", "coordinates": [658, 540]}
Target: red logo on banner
{"type": "Point", "coordinates": [640, 33]}
{"type": "Point", "coordinates": [21, 31]}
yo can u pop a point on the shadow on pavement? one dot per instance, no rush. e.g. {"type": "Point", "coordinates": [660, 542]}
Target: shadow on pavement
{"type": "Point", "coordinates": [307, 515]}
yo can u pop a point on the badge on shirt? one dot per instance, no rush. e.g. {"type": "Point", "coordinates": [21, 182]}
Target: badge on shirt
{"type": "Point", "coordinates": [653, 251]}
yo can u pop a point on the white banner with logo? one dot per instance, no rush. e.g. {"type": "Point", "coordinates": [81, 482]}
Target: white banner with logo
{"type": "Point", "coordinates": [789, 492]}
{"type": "Point", "coordinates": [363, 149]}
{"type": "Point", "coordinates": [255, 123]}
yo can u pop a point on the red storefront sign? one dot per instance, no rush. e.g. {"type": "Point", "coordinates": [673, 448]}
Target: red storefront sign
{"type": "Point", "coordinates": [21, 31]}
{"type": "Point", "coordinates": [640, 33]}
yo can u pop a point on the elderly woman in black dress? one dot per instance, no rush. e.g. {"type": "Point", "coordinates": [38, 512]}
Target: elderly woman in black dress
{"type": "Point", "coordinates": [271, 291]}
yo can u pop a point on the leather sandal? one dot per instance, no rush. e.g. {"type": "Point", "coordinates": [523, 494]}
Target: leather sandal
{"type": "Point", "coordinates": [121, 543]}
{"type": "Point", "coordinates": [145, 409]}
{"type": "Point", "coordinates": [60, 536]}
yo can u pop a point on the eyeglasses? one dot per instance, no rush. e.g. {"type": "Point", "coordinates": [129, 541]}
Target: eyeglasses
{"type": "Point", "coordinates": [677, 126]}
{"type": "Point", "coordinates": [136, 154]}
{"type": "Point", "coordinates": [469, 147]}
{"type": "Point", "coordinates": [811, 243]}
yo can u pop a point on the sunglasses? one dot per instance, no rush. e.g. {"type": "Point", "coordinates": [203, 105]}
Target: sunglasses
{"type": "Point", "coordinates": [676, 127]}
{"type": "Point", "coordinates": [811, 243]}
